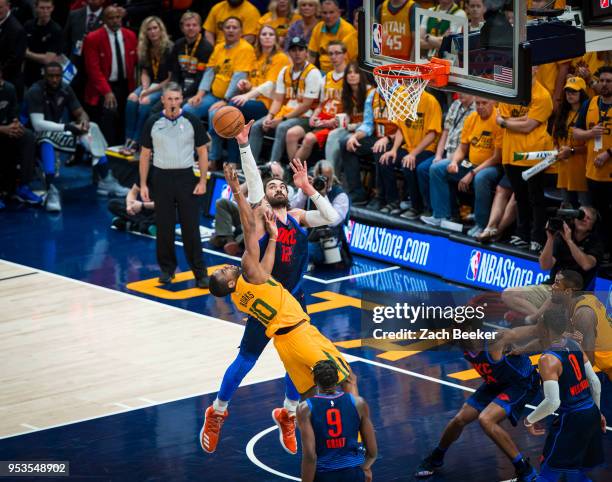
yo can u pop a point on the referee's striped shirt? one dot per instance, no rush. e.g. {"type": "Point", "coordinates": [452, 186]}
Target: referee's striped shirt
{"type": "Point", "coordinates": [173, 141]}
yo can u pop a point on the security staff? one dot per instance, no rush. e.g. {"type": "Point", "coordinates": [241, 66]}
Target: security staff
{"type": "Point", "coordinates": [173, 136]}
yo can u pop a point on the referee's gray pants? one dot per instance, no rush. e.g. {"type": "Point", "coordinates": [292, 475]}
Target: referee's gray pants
{"type": "Point", "coordinates": [173, 192]}
{"type": "Point", "coordinates": [278, 148]}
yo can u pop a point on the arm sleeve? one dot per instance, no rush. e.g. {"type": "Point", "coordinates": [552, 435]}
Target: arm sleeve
{"type": "Point", "coordinates": [594, 383]}
{"type": "Point", "coordinates": [367, 126]}
{"type": "Point", "coordinates": [207, 80]}
{"type": "Point", "coordinates": [324, 215]}
{"type": "Point", "coordinates": [232, 87]}
{"type": "Point", "coordinates": [40, 124]}
{"type": "Point", "coordinates": [550, 403]}
{"type": "Point", "coordinates": [341, 205]}
{"type": "Point", "coordinates": [251, 173]}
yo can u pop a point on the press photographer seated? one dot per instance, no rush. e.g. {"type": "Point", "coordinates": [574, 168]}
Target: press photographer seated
{"type": "Point", "coordinates": [327, 245]}
{"type": "Point", "coordinates": [572, 243]}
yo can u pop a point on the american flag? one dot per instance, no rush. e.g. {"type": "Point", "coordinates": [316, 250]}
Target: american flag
{"type": "Point", "coordinates": [502, 74]}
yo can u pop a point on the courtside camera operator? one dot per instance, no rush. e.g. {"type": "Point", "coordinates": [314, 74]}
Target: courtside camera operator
{"type": "Point", "coordinates": [572, 243]}
{"type": "Point", "coordinates": [327, 244]}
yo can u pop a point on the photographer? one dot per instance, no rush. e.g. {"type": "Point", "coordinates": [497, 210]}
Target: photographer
{"type": "Point", "coordinates": [327, 244]}
{"type": "Point", "coordinates": [571, 244]}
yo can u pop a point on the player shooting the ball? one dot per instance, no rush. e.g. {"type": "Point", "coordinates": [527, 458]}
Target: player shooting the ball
{"type": "Point", "coordinates": [254, 292]}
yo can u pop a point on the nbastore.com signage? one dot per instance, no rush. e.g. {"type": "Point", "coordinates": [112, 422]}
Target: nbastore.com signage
{"type": "Point", "coordinates": [440, 256]}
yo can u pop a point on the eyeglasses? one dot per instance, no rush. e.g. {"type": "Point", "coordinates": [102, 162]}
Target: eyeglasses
{"type": "Point", "coordinates": [334, 53]}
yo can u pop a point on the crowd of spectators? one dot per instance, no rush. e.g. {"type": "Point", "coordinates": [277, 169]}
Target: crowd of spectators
{"type": "Point", "coordinates": [290, 66]}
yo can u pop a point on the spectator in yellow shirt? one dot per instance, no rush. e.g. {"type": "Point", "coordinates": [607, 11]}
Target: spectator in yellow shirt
{"type": "Point", "coordinates": [229, 63]}
{"type": "Point", "coordinates": [257, 91]}
{"type": "Point", "coordinates": [525, 131]}
{"type": "Point", "coordinates": [476, 161]}
{"type": "Point", "coordinates": [332, 27]}
{"type": "Point", "coordinates": [279, 17]}
{"type": "Point", "coordinates": [242, 9]}
{"type": "Point", "coordinates": [414, 142]}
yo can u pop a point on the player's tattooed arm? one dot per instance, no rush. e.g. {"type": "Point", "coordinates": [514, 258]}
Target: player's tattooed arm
{"type": "Point", "coordinates": [309, 453]}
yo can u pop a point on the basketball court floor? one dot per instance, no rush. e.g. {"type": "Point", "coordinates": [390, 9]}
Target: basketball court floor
{"type": "Point", "coordinates": [105, 369]}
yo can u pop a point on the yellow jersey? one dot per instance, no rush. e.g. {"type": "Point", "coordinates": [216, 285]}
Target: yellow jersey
{"type": "Point", "coordinates": [352, 45]}
{"type": "Point", "coordinates": [382, 125]}
{"type": "Point", "coordinates": [331, 94]}
{"type": "Point", "coordinates": [266, 68]}
{"type": "Point", "coordinates": [540, 109]}
{"type": "Point", "coordinates": [321, 36]}
{"type": "Point", "coordinates": [547, 76]}
{"type": "Point", "coordinates": [269, 303]}
{"type": "Point", "coordinates": [596, 115]}
{"type": "Point", "coordinates": [482, 137]}
{"type": "Point", "coordinates": [603, 335]}
{"type": "Point", "coordinates": [225, 61]}
{"type": "Point", "coordinates": [429, 118]}
{"type": "Point", "coordinates": [396, 35]}
{"type": "Point", "coordinates": [571, 172]}
{"type": "Point", "coordinates": [279, 24]}
{"type": "Point", "coordinates": [294, 89]}
{"type": "Point", "coordinates": [246, 12]}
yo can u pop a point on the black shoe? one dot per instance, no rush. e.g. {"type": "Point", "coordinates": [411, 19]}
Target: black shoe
{"type": "Point", "coordinates": [360, 201]}
{"type": "Point", "coordinates": [166, 278]}
{"type": "Point", "coordinates": [427, 467]}
{"type": "Point", "coordinates": [390, 208]}
{"type": "Point", "coordinates": [202, 283]}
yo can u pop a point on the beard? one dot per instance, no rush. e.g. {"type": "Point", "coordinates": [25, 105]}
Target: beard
{"type": "Point", "coordinates": [278, 202]}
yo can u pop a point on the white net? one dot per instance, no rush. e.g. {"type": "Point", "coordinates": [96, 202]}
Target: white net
{"type": "Point", "coordinates": [401, 94]}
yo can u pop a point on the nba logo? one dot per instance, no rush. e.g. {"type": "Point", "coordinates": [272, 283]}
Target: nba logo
{"type": "Point", "coordinates": [376, 38]}
{"type": "Point", "coordinates": [472, 271]}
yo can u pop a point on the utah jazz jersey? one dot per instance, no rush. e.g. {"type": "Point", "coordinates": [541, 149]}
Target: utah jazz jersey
{"type": "Point", "coordinates": [291, 258]}
{"type": "Point", "coordinates": [573, 384]}
{"type": "Point", "coordinates": [335, 422]}
{"type": "Point", "coordinates": [269, 303]}
{"type": "Point", "coordinates": [510, 369]}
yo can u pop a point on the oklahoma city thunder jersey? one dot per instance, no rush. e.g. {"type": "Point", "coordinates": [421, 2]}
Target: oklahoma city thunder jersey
{"type": "Point", "coordinates": [573, 384]}
{"type": "Point", "coordinates": [269, 303]}
{"type": "Point", "coordinates": [508, 370]}
{"type": "Point", "coordinates": [291, 259]}
{"type": "Point", "coordinates": [335, 422]}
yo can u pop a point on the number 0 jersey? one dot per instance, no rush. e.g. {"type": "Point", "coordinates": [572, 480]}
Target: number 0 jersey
{"type": "Point", "coordinates": [270, 303]}
{"type": "Point", "coordinates": [335, 422]}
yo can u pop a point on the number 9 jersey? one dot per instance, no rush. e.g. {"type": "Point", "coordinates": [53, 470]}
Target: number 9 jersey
{"type": "Point", "coordinates": [270, 303]}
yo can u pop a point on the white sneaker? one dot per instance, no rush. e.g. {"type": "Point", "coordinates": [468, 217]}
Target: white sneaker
{"type": "Point", "coordinates": [53, 203]}
{"type": "Point", "coordinates": [109, 186]}
{"type": "Point", "coordinates": [431, 220]}
{"type": "Point", "coordinates": [535, 247]}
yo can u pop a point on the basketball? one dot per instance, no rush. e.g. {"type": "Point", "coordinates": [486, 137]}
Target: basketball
{"type": "Point", "coordinates": [228, 122]}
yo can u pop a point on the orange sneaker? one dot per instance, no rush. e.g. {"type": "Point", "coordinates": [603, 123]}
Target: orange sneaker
{"type": "Point", "coordinates": [286, 428]}
{"type": "Point", "coordinates": [209, 435]}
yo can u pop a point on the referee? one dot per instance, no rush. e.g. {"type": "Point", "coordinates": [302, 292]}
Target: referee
{"type": "Point", "coordinates": [173, 136]}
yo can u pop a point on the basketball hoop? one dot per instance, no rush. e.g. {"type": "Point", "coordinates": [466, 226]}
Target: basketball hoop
{"type": "Point", "coordinates": [402, 85]}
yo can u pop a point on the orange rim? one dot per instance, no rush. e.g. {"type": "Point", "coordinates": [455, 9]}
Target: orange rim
{"type": "Point", "coordinates": [436, 71]}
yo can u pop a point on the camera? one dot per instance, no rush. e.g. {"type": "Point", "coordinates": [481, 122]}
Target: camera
{"type": "Point", "coordinates": [319, 183]}
{"type": "Point", "coordinates": [555, 222]}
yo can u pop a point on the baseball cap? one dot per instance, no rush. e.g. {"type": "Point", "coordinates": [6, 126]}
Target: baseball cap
{"type": "Point", "coordinates": [297, 42]}
{"type": "Point", "coordinates": [575, 83]}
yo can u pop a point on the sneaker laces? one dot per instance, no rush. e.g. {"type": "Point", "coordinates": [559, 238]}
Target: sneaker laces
{"type": "Point", "coordinates": [288, 424]}
{"type": "Point", "coordinates": [214, 423]}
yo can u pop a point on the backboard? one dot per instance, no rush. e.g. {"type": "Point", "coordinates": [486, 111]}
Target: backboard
{"type": "Point", "coordinates": [496, 63]}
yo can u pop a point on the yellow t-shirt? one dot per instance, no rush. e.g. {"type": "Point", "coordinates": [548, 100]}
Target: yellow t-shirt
{"type": "Point", "coordinates": [603, 335]}
{"type": "Point", "coordinates": [331, 95]}
{"type": "Point", "coordinates": [270, 303]}
{"type": "Point", "coordinates": [547, 75]}
{"type": "Point", "coordinates": [571, 173]}
{"type": "Point", "coordinates": [266, 69]}
{"type": "Point", "coordinates": [540, 108]}
{"type": "Point", "coordinates": [396, 35]}
{"type": "Point", "coordinates": [382, 125]}
{"type": "Point", "coordinates": [595, 116]}
{"type": "Point", "coordinates": [352, 45]}
{"type": "Point", "coordinates": [279, 24]}
{"type": "Point", "coordinates": [429, 118]}
{"type": "Point", "coordinates": [246, 12]}
{"type": "Point", "coordinates": [482, 137]}
{"type": "Point", "coordinates": [239, 58]}
{"type": "Point", "coordinates": [321, 37]}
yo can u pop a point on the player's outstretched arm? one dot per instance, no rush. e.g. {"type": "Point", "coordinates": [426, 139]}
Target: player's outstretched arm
{"type": "Point", "coordinates": [250, 258]}
{"type": "Point", "coordinates": [249, 166]}
{"type": "Point", "coordinates": [513, 336]}
{"type": "Point", "coordinates": [267, 262]}
{"type": "Point", "coordinates": [309, 453]}
{"type": "Point", "coordinates": [550, 370]}
{"type": "Point", "coordinates": [368, 435]}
